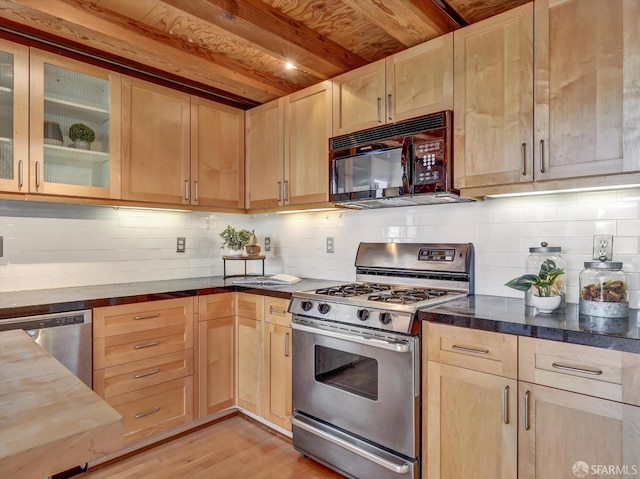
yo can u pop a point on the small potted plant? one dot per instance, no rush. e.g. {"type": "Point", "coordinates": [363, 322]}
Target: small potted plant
{"type": "Point", "coordinates": [81, 135]}
{"type": "Point", "coordinates": [545, 287]}
{"type": "Point", "coordinates": [234, 240]}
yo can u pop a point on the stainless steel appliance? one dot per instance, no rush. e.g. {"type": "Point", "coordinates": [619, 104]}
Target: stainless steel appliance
{"type": "Point", "coordinates": [66, 335]}
{"type": "Point", "coordinates": [405, 163]}
{"type": "Point", "coordinates": [356, 357]}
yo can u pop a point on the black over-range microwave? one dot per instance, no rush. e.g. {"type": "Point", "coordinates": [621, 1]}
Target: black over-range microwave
{"type": "Point", "coordinates": [400, 164]}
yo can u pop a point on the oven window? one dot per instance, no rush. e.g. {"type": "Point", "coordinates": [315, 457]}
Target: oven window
{"type": "Point", "coordinates": [347, 371]}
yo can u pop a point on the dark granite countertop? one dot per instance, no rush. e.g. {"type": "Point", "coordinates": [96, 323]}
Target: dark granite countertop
{"type": "Point", "coordinates": [509, 315]}
{"type": "Point", "coordinates": [27, 303]}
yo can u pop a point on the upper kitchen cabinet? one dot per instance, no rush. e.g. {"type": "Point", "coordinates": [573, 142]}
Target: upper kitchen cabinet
{"type": "Point", "coordinates": [156, 137]}
{"type": "Point", "coordinates": [493, 100]}
{"type": "Point", "coordinates": [587, 91]}
{"type": "Point", "coordinates": [411, 83]}
{"type": "Point", "coordinates": [217, 154]}
{"type": "Point", "coordinates": [287, 149]}
{"type": "Point", "coordinates": [14, 116]}
{"type": "Point", "coordinates": [74, 116]}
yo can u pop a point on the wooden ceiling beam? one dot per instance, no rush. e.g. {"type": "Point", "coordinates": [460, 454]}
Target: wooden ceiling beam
{"type": "Point", "coordinates": [84, 22]}
{"type": "Point", "coordinates": [275, 34]}
{"type": "Point", "coordinates": [409, 21]}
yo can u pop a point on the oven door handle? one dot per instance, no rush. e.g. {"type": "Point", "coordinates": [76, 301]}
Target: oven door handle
{"type": "Point", "coordinates": [376, 343]}
{"type": "Point", "coordinates": [397, 468]}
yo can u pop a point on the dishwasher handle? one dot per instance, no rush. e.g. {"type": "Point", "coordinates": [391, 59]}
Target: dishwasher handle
{"type": "Point", "coordinates": [43, 321]}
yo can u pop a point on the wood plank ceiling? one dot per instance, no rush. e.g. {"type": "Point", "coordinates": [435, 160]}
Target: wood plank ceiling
{"type": "Point", "coordinates": [236, 50]}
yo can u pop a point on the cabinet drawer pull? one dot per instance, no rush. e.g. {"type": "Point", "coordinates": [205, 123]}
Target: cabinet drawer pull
{"type": "Point", "coordinates": [470, 350]}
{"type": "Point", "coordinates": [285, 188]}
{"type": "Point", "coordinates": [379, 110]}
{"type": "Point", "coordinates": [541, 156]}
{"type": "Point", "coordinates": [20, 174]}
{"type": "Point", "coordinates": [148, 413]}
{"type": "Point", "coordinates": [37, 174]}
{"type": "Point", "coordinates": [273, 310]}
{"type": "Point", "coordinates": [564, 367]}
{"type": "Point", "coordinates": [147, 345]}
{"type": "Point", "coordinates": [286, 345]}
{"type": "Point", "coordinates": [147, 316]}
{"type": "Point", "coordinates": [278, 195]}
{"type": "Point", "coordinates": [186, 190]}
{"type": "Point", "coordinates": [527, 395]}
{"type": "Point", "coordinates": [144, 375]}
{"type": "Point", "coordinates": [505, 405]}
{"type": "Point", "coordinates": [389, 117]}
{"type": "Point", "coordinates": [195, 193]}
{"type": "Point", "coordinates": [523, 159]}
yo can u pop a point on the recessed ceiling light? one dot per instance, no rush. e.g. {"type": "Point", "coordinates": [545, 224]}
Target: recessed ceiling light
{"type": "Point", "coordinates": [290, 66]}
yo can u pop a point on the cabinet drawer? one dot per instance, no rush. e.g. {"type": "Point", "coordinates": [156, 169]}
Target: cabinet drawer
{"type": "Point", "coordinates": [131, 318]}
{"type": "Point", "coordinates": [155, 408]}
{"type": "Point", "coordinates": [124, 348]}
{"type": "Point", "coordinates": [215, 306]}
{"type": "Point", "coordinates": [584, 369]}
{"type": "Point", "coordinates": [129, 377]}
{"type": "Point", "coordinates": [485, 351]}
{"type": "Point", "coordinates": [250, 306]}
{"type": "Point", "coordinates": [275, 311]}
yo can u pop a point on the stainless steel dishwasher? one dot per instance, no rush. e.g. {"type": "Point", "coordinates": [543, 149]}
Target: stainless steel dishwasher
{"type": "Point", "coordinates": [66, 335]}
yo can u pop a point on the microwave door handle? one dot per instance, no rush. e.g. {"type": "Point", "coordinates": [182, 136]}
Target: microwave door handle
{"type": "Point", "coordinates": [405, 162]}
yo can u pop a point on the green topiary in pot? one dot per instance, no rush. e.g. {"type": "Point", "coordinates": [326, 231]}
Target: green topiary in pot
{"type": "Point", "coordinates": [233, 239]}
{"type": "Point", "coordinates": [80, 132]}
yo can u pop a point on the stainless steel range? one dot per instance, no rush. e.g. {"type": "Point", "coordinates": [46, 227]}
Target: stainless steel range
{"type": "Point", "coordinates": [356, 357]}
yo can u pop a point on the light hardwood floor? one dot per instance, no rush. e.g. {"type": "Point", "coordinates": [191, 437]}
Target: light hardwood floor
{"type": "Point", "coordinates": [235, 448]}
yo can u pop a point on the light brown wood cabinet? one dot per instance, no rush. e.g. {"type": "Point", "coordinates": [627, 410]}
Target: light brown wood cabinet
{"type": "Point", "coordinates": [277, 407]}
{"type": "Point", "coordinates": [40, 89]}
{"type": "Point", "coordinates": [411, 83]}
{"type": "Point", "coordinates": [143, 363]}
{"type": "Point", "coordinates": [287, 145]}
{"type": "Point", "coordinates": [216, 353]}
{"type": "Point", "coordinates": [584, 94]}
{"type": "Point", "coordinates": [249, 361]}
{"type": "Point", "coordinates": [469, 404]}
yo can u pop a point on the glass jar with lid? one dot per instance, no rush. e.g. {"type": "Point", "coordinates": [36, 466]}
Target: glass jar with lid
{"type": "Point", "coordinates": [538, 255]}
{"type": "Point", "coordinates": [603, 290]}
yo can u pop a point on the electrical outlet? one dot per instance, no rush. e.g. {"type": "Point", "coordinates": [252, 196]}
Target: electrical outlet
{"type": "Point", "coordinates": [330, 244]}
{"type": "Point", "coordinates": [181, 244]}
{"type": "Point", "coordinates": [267, 243]}
{"type": "Point", "coordinates": [603, 246]}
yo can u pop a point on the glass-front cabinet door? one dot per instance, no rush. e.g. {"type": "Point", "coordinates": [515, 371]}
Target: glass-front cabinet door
{"type": "Point", "coordinates": [75, 128]}
{"type": "Point", "coordinates": [14, 119]}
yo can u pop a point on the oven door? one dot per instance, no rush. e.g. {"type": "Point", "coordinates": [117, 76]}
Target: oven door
{"type": "Point", "coordinates": [364, 385]}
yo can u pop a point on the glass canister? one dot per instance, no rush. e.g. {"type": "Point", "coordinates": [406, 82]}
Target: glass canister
{"type": "Point", "coordinates": [603, 290]}
{"type": "Point", "coordinates": [537, 256]}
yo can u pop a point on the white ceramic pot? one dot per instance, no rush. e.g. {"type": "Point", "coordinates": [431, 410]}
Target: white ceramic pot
{"type": "Point", "coordinates": [546, 304]}
{"type": "Point", "coordinates": [236, 252]}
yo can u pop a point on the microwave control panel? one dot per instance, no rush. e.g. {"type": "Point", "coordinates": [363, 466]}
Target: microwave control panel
{"type": "Point", "coordinates": [429, 161]}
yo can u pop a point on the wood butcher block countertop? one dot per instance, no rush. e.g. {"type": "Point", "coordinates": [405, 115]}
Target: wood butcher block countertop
{"type": "Point", "coordinates": [50, 421]}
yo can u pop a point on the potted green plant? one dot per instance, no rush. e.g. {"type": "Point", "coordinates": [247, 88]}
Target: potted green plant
{"type": "Point", "coordinates": [235, 240]}
{"type": "Point", "coordinates": [81, 135]}
{"type": "Point", "coordinates": [545, 287]}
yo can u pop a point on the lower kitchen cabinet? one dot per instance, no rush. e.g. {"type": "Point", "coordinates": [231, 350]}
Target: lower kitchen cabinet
{"type": "Point", "coordinates": [216, 378]}
{"type": "Point", "coordinates": [248, 321]}
{"type": "Point", "coordinates": [566, 435]}
{"type": "Point", "coordinates": [143, 363]}
{"type": "Point", "coordinates": [277, 407]}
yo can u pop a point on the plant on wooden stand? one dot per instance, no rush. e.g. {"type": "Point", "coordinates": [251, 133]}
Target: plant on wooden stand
{"type": "Point", "coordinates": [234, 240]}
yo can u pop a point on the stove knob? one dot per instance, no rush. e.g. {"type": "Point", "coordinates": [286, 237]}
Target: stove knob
{"type": "Point", "coordinates": [363, 314]}
{"type": "Point", "coordinates": [323, 308]}
{"type": "Point", "coordinates": [385, 317]}
{"type": "Point", "coordinates": [306, 305]}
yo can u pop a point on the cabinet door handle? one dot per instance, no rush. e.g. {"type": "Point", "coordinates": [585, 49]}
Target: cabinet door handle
{"type": "Point", "coordinates": [146, 345]}
{"type": "Point", "coordinates": [541, 156]}
{"type": "Point", "coordinates": [143, 414]}
{"type": "Point", "coordinates": [527, 395]}
{"type": "Point", "coordinates": [523, 159]}
{"type": "Point", "coordinates": [286, 190]}
{"type": "Point", "coordinates": [470, 350]}
{"type": "Point", "coordinates": [144, 375]}
{"type": "Point", "coordinates": [564, 367]}
{"type": "Point", "coordinates": [379, 118]}
{"type": "Point", "coordinates": [505, 405]}
{"type": "Point", "coordinates": [186, 190]}
{"type": "Point", "coordinates": [286, 345]}
{"type": "Point", "coordinates": [278, 196]}
{"type": "Point", "coordinates": [147, 316]}
{"type": "Point", "coordinates": [273, 310]}
{"type": "Point", "coordinates": [389, 117]}
{"type": "Point", "coordinates": [20, 174]}
{"type": "Point", "coordinates": [195, 193]}
{"type": "Point", "coordinates": [37, 174]}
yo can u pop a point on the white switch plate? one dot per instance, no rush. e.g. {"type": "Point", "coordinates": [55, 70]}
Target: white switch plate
{"type": "Point", "coordinates": [330, 244]}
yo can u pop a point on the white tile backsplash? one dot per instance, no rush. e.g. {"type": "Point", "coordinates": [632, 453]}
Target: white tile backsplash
{"type": "Point", "coordinates": [50, 245]}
